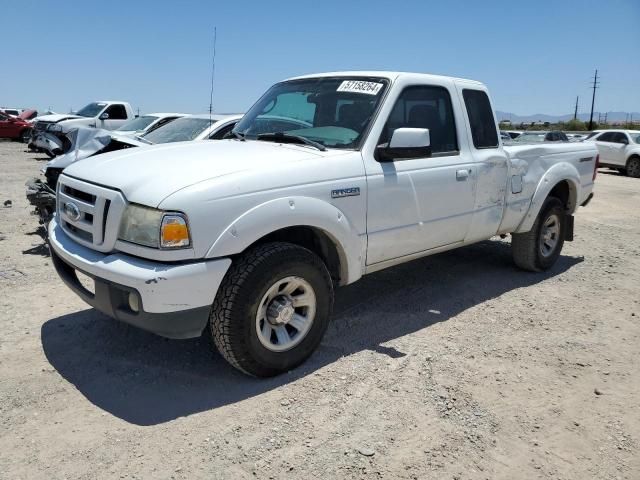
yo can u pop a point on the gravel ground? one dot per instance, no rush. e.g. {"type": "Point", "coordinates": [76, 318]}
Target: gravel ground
{"type": "Point", "coordinates": [454, 366]}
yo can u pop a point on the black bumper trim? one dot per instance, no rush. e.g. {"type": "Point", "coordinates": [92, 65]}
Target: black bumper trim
{"type": "Point", "coordinates": [112, 299]}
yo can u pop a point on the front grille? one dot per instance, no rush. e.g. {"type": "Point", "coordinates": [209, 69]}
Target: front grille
{"type": "Point", "coordinates": [89, 213]}
{"type": "Point", "coordinates": [41, 126]}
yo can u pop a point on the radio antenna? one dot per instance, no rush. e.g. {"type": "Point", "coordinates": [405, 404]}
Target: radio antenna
{"type": "Point", "coordinates": [213, 74]}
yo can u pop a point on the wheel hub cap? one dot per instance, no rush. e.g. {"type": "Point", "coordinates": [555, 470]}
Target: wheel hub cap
{"type": "Point", "coordinates": [280, 311]}
{"type": "Point", "coordinates": [285, 314]}
{"type": "Point", "coordinates": [550, 235]}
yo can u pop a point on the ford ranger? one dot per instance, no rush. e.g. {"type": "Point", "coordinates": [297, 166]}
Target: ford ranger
{"type": "Point", "coordinates": [327, 178]}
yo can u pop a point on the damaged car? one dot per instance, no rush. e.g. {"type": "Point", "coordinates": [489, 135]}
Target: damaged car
{"type": "Point", "coordinates": [49, 131]}
{"type": "Point", "coordinates": [82, 143]}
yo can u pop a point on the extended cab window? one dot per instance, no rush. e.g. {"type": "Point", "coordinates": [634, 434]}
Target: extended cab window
{"type": "Point", "coordinates": [483, 125]}
{"type": "Point", "coordinates": [425, 107]}
{"type": "Point", "coordinates": [117, 112]}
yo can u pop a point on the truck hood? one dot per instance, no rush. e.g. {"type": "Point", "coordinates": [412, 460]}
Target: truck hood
{"type": "Point", "coordinates": [149, 174]}
{"type": "Point", "coordinates": [57, 117]}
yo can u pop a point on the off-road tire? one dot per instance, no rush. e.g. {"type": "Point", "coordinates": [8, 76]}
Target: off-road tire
{"type": "Point", "coordinates": [633, 167]}
{"type": "Point", "coordinates": [233, 315]}
{"type": "Point", "coordinates": [526, 247]}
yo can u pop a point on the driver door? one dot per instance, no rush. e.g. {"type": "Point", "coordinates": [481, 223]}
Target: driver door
{"type": "Point", "coordinates": [418, 204]}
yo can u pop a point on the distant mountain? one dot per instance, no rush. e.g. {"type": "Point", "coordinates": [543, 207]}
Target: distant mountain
{"type": "Point", "coordinates": [541, 117]}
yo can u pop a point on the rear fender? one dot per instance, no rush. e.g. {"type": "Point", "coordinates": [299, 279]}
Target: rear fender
{"type": "Point", "coordinates": [557, 173]}
{"type": "Point", "coordinates": [291, 212]}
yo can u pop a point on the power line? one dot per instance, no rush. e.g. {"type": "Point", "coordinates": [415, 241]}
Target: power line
{"type": "Point", "coordinates": [593, 98]}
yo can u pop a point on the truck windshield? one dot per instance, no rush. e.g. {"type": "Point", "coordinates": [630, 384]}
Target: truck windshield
{"type": "Point", "coordinates": [91, 110]}
{"type": "Point", "coordinates": [136, 124]}
{"type": "Point", "coordinates": [180, 130]}
{"type": "Point", "coordinates": [334, 112]}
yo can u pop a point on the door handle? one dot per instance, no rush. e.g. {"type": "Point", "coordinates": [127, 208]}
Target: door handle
{"type": "Point", "coordinates": [462, 175]}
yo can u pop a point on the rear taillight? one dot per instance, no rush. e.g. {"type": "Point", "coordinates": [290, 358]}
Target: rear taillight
{"type": "Point", "coordinates": [595, 167]}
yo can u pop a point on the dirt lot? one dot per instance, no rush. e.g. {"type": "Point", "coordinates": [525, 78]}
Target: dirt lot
{"type": "Point", "coordinates": [454, 366]}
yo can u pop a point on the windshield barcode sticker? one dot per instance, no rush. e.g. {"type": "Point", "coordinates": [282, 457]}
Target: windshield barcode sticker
{"type": "Point", "coordinates": [357, 86]}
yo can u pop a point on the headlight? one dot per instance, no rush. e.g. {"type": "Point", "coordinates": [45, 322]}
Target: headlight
{"type": "Point", "coordinates": [154, 228]}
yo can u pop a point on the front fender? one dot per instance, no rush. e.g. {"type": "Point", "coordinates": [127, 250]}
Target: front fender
{"type": "Point", "coordinates": [294, 211]}
{"type": "Point", "coordinates": [557, 173]}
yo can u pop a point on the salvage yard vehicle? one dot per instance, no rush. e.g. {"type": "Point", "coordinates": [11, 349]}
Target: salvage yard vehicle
{"type": "Point", "coordinates": [16, 128]}
{"type": "Point", "coordinates": [620, 150]}
{"type": "Point", "coordinates": [49, 130]}
{"type": "Point", "coordinates": [147, 123]}
{"type": "Point", "coordinates": [248, 237]}
{"type": "Point", "coordinates": [86, 142]}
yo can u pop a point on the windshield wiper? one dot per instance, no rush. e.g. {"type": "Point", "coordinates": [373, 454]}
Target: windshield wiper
{"type": "Point", "coordinates": [289, 138]}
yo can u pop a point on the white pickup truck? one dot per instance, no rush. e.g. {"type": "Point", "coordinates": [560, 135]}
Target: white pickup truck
{"type": "Point", "coordinates": [329, 177]}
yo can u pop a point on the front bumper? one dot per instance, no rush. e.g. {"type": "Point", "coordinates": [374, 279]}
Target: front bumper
{"type": "Point", "coordinates": [174, 299]}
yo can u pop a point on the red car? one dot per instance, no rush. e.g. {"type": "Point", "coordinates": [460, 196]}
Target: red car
{"type": "Point", "coordinates": [16, 128]}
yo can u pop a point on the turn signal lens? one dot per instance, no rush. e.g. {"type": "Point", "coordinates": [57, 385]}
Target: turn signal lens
{"type": "Point", "coordinates": [174, 232]}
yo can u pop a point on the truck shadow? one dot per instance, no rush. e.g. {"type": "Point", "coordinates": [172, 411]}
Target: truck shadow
{"type": "Point", "coordinates": [146, 380]}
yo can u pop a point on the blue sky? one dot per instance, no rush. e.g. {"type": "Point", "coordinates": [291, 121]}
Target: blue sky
{"type": "Point", "coordinates": [534, 56]}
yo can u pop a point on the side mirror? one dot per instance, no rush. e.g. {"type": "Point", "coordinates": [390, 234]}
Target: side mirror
{"type": "Point", "coordinates": [405, 144]}
{"type": "Point", "coordinates": [624, 141]}
{"type": "Point", "coordinates": [104, 116]}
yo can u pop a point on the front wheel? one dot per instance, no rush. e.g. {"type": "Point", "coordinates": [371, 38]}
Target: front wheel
{"type": "Point", "coordinates": [539, 248]}
{"type": "Point", "coordinates": [272, 309]}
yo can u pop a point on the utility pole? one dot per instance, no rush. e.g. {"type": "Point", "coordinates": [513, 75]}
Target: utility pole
{"type": "Point", "coordinates": [575, 113]}
{"type": "Point", "coordinates": [593, 98]}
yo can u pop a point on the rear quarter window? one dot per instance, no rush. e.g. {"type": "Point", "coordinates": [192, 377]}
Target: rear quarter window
{"type": "Point", "coordinates": [483, 126]}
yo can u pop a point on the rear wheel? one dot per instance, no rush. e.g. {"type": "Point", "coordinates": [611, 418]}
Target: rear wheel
{"type": "Point", "coordinates": [539, 248]}
{"type": "Point", "coordinates": [272, 309]}
{"type": "Point", "coordinates": [633, 167]}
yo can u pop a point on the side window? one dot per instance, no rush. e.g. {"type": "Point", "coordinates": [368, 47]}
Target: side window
{"type": "Point", "coordinates": [117, 112]}
{"type": "Point", "coordinates": [220, 134]}
{"type": "Point", "coordinates": [619, 137]}
{"type": "Point", "coordinates": [605, 137]}
{"type": "Point", "coordinates": [483, 125]}
{"type": "Point", "coordinates": [425, 107]}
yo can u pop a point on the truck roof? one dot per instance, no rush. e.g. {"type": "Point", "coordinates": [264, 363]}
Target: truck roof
{"type": "Point", "coordinates": [385, 74]}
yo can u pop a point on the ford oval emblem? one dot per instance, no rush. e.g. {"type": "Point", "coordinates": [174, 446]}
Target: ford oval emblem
{"type": "Point", "coordinates": [72, 211]}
